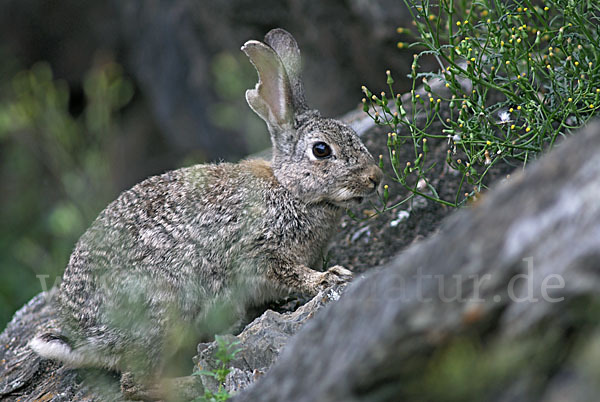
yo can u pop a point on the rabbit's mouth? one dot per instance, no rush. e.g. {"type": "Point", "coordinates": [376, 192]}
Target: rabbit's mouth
{"type": "Point", "coordinates": [348, 202]}
{"type": "Point", "coordinates": [349, 197]}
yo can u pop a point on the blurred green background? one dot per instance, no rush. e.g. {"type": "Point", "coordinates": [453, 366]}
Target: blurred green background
{"type": "Point", "coordinates": [97, 96]}
{"type": "Point", "coordinates": [62, 162]}
{"type": "Point", "coordinates": [55, 171]}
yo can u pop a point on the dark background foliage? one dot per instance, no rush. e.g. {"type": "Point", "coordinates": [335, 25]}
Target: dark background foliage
{"type": "Point", "coordinates": [96, 96]}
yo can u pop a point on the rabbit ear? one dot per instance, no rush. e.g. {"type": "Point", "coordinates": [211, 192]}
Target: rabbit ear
{"type": "Point", "coordinates": [271, 99]}
{"type": "Point", "coordinates": [287, 49]}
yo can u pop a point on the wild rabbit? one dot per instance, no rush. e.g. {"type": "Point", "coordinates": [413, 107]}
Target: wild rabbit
{"type": "Point", "coordinates": [176, 250]}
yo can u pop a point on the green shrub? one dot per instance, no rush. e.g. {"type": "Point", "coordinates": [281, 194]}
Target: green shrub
{"type": "Point", "coordinates": [513, 77]}
{"type": "Point", "coordinates": [55, 173]}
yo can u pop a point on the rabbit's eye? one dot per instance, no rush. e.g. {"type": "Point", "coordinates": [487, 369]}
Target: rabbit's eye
{"type": "Point", "coordinates": [321, 150]}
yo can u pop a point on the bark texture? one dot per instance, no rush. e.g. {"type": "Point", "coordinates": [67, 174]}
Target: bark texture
{"type": "Point", "coordinates": [501, 305]}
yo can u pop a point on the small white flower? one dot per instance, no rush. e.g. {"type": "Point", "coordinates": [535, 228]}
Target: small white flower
{"type": "Point", "coordinates": [456, 138]}
{"type": "Point", "coordinates": [504, 117]}
{"type": "Point", "coordinates": [402, 216]}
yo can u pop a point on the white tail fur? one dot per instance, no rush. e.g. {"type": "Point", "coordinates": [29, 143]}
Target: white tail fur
{"type": "Point", "coordinates": [56, 349]}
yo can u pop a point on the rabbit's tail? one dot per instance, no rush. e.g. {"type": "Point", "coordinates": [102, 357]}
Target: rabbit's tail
{"type": "Point", "coordinates": [55, 346]}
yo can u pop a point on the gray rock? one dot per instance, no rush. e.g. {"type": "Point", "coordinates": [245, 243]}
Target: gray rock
{"type": "Point", "coordinates": [501, 305]}
{"type": "Point", "coordinates": [260, 343]}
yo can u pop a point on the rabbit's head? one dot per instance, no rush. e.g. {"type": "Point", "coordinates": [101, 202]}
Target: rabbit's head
{"type": "Point", "coordinates": [316, 159]}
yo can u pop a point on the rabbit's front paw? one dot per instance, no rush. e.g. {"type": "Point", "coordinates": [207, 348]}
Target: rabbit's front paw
{"type": "Point", "coordinates": [334, 276]}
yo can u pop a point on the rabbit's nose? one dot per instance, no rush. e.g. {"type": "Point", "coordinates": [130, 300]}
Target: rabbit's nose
{"type": "Point", "coordinates": [375, 175]}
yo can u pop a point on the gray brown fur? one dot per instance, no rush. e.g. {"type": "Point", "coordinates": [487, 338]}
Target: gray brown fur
{"type": "Point", "coordinates": [176, 247]}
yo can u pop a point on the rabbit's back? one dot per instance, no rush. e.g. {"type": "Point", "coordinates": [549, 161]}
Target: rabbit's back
{"type": "Point", "coordinates": [177, 241]}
